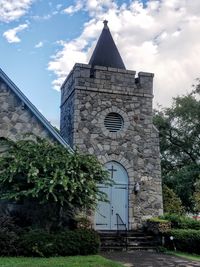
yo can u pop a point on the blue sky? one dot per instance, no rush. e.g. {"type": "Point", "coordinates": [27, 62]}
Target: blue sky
{"type": "Point", "coordinates": [26, 64]}
{"type": "Point", "coordinates": [40, 41]}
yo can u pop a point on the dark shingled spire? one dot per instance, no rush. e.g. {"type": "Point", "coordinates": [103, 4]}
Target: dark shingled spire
{"type": "Point", "coordinates": [106, 53]}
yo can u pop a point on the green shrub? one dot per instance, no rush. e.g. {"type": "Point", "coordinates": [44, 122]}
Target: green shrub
{"type": "Point", "coordinates": [78, 242]}
{"type": "Point", "coordinates": [157, 220]}
{"type": "Point", "coordinates": [8, 237]}
{"type": "Point", "coordinates": [157, 225]}
{"type": "Point", "coordinates": [89, 241]}
{"type": "Point", "coordinates": [37, 243]}
{"type": "Point", "coordinates": [189, 223]}
{"type": "Point", "coordinates": [83, 222]}
{"type": "Point", "coordinates": [181, 222]}
{"type": "Point", "coordinates": [42, 244]}
{"type": "Point", "coordinates": [16, 241]}
{"type": "Point", "coordinates": [8, 244]}
{"type": "Point", "coordinates": [184, 240]}
{"type": "Point", "coordinates": [171, 202]}
{"type": "Point", "coordinates": [67, 243]}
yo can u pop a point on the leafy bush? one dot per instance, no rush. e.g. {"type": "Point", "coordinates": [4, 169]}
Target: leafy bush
{"type": "Point", "coordinates": [89, 241]}
{"type": "Point", "coordinates": [8, 236]}
{"type": "Point", "coordinates": [37, 243]}
{"type": "Point", "coordinates": [189, 223]}
{"type": "Point", "coordinates": [83, 222]}
{"type": "Point", "coordinates": [8, 244]}
{"type": "Point", "coordinates": [42, 244]}
{"type": "Point", "coordinates": [78, 242]}
{"type": "Point", "coordinates": [49, 176]}
{"type": "Point", "coordinates": [157, 225]}
{"type": "Point", "coordinates": [184, 240]}
{"type": "Point", "coordinates": [181, 222]}
{"type": "Point", "coordinates": [172, 203]}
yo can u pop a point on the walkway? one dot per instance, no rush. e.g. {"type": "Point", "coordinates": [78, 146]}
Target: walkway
{"type": "Point", "coordinates": [149, 259]}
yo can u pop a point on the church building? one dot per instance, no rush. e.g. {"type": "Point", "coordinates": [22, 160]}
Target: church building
{"type": "Point", "coordinates": [106, 111]}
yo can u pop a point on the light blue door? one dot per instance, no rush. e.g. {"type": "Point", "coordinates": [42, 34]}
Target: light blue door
{"type": "Point", "coordinates": [105, 216]}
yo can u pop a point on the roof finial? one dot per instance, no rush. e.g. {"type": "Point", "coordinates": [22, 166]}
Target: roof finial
{"type": "Point", "coordinates": [105, 22]}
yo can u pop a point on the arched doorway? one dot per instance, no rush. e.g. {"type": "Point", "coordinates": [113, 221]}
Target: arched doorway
{"type": "Point", "coordinates": [105, 216]}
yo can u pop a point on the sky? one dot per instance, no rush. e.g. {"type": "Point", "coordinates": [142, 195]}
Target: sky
{"type": "Point", "coordinates": [41, 40]}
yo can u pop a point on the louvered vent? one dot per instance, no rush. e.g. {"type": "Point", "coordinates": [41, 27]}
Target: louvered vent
{"type": "Point", "coordinates": [113, 122]}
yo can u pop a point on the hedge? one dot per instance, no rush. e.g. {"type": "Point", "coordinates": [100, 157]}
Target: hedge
{"type": "Point", "coordinates": [181, 222]}
{"type": "Point", "coordinates": [38, 243]}
{"type": "Point", "coordinates": [185, 240]}
{"type": "Point", "coordinates": [66, 243]}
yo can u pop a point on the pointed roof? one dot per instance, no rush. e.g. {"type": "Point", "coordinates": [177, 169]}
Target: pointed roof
{"type": "Point", "coordinates": [106, 53]}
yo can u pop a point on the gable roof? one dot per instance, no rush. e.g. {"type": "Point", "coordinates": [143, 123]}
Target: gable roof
{"type": "Point", "coordinates": [106, 53]}
{"type": "Point", "coordinates": [34, 110]}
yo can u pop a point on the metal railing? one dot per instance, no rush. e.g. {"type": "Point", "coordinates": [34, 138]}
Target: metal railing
{"type": "Point", "coordinates": [122, 230]}
{"type": "Point", "coordinates": [121, 226]}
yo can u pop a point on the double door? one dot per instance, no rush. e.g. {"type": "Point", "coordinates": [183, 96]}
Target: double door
{"type": "Point", "coordinates": [117, 195]}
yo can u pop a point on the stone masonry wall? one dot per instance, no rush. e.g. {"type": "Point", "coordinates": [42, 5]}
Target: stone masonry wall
{"type": "Point", "coordinates": [67, 122]}
{"type": "Point", "coordinates": [16, 119]}
{"type": "Point", "coordinates": [99, 91]}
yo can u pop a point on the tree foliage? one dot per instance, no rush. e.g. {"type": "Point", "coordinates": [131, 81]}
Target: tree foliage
{"type": "Point", "coordinates": [48, 174]}
{"type": "Point", "coordinates": [171, 202]}
{"type": "Point", "coordinates": [196, 197]}
{"type": "Point", "coordinates": [179, 128]}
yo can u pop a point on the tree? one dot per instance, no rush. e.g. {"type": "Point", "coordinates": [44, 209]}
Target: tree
{"type": "Point", "coordinates": [171, 202]}
{"type": "Point", "coordinates": [196, 197]}
{"type": "Point", "coordinates": [179, 128]}
{"type": "Point", "coordinates": [48, 175]}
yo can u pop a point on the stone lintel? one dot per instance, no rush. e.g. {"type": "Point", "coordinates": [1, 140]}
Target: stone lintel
{"type": "Point", "coordinates": [81, 87]}
{"type": "Point", "coordinates": [132, 72]}
{"type": "Point", "coordinates": [145, 74]}
{"type": "Point", "coordinates": [112, 69]}
{"type": "Point", "coordinates": [100, 68]}
{"type": "Point", "coordinates": [81, 65]}
{"type": "Point", "coordinates": [120, 92]}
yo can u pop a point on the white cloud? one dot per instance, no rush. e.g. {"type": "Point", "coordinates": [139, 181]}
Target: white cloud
{"type": "Point", "coordinates": [92, 6]}
{"type": "Point", "coordinates": [74, 8]}
{"type": "Point", "coordinates": [161, 37]}
{"type": "Point", "coordinates": [62, 62]}
{"type": "Point", "coordinates": [44, 17]}
{"type": "Point", "coordinates": [39, 45]}
{"type": "Point", "coordinates": [13, 9]}
{"type": "Point", "coordinates": [11, 35]}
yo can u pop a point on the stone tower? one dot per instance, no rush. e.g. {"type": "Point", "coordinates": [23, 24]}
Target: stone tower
{"type": "Point", "coordinates": [107, 112]}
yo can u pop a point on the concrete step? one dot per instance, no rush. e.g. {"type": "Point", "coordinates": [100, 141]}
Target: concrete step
{"type": "Point", "coordinates": [153, 243]}
{"type": "Point", "coordinates": [123, 248]}
{"type": "Point", "coordinates": [132, 240]}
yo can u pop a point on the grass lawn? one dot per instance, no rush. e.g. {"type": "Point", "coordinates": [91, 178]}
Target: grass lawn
{"type": "Point", "coordinates": [185, 255]}
{"type": "Point", "coordinates": [77, 261]}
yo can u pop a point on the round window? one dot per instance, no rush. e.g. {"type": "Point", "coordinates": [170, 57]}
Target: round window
{"type": "Point", "coordinates": [113, 122]}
